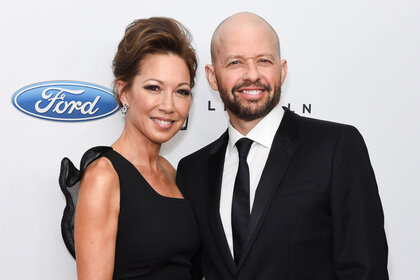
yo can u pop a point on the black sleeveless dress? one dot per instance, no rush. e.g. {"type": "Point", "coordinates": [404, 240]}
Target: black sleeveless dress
{"type": "Point", "coordinates": [157, 237]}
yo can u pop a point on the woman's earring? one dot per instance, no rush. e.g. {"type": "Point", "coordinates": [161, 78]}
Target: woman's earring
{"type": "Point", "coordinates": [124, 109]}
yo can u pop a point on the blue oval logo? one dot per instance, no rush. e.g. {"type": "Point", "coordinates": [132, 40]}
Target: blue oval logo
{"type": "Point", "coordinates": [65, 101]}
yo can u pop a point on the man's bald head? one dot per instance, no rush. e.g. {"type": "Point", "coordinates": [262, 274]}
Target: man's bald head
{"type": "Point", "coordinates": [238, 23]}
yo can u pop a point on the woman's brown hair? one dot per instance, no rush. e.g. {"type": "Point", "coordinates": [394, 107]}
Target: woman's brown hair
{"type": "Point", "coordinates": [155, 35]}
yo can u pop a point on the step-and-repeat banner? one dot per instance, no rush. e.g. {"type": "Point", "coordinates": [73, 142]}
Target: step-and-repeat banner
{"type": "Point", "coordinates": [354, 62]}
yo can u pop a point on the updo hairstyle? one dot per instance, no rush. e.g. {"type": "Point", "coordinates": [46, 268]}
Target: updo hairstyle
{"type": "Point", "coordinates": [155, 35]}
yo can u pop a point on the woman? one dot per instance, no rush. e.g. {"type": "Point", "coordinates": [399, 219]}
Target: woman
{"type": "Point", "coordinates": [131, 220]}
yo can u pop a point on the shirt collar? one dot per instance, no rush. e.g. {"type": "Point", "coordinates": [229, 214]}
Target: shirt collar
{"type": "Point", "coordinates": [263, 133]}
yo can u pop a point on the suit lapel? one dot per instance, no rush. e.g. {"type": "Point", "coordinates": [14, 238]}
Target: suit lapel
{"type": "Point", "coordinates": [216, 163]}
{"type": "Point", "coordinates": [282, 151]}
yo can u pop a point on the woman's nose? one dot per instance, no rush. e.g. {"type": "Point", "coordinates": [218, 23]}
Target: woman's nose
{"type": "Point", "coordinates": [166, 103]}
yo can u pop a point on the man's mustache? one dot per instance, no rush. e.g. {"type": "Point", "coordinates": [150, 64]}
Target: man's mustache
{"type": "Point", "coordinates": [248, 84]}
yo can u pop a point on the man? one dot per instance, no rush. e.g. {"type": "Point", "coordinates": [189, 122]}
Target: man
{"type": "Point", "coordinates": [299, 199]}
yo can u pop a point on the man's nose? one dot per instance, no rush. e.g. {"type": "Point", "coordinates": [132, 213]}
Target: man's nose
{"type": "Point", "coordinates": [252, 72]}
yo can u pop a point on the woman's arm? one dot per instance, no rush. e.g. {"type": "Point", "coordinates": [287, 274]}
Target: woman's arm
{"type": "Point", "coordinates": [96, 221]}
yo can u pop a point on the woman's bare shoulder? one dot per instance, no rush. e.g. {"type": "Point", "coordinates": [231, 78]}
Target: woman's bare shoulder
{"type": "Point", "coordinates": [100, 178]}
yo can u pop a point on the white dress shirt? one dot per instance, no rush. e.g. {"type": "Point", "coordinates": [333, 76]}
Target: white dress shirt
{"type": "Point", "coordinates": [262, 135]}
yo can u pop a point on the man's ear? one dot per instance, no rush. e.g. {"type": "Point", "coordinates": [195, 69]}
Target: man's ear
{"type": "Point", "coordinates": [283, 70]}
{"type": "Point", "coordinates": [211, 76]}
{"type": "Point", "coordinates": [122, 93]}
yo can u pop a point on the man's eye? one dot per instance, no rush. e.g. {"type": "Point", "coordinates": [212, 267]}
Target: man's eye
{"type": "Point", "coordinates": [152, 88]}
{"type": "Point", "coordinates": [235, 62]}
{"type": "Point", "coordinates": [263, 60]}
{"type": "Point", "coordinates": [184, 91]}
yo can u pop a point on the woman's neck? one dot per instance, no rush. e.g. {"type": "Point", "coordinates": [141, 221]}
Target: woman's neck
{"type": "Point", "coordinates": [137, 148]}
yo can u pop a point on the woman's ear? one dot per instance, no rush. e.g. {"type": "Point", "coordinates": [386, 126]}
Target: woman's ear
{"type": "Point", "coordinates": [122, 92]}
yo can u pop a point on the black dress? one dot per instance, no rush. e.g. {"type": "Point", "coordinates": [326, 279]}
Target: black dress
{"type": "Point", "coordinates": [157, 237]}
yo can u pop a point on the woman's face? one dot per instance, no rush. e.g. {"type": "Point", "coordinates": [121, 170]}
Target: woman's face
{"type": "Point", "coordinates": [159, 98]}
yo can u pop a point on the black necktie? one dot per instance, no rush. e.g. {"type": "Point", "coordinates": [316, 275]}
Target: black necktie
{"type": "Point", "coordinates": [240, 201]}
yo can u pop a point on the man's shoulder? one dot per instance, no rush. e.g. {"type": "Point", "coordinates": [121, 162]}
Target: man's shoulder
{"type": "Point", "coordinates": [325, 131]}
{"type": "Point", "coordinates": [205, 152]}
{"type": "Point", "coordinates": [315, 130]}
{"type": "Point", "coordinates": [309, 124]}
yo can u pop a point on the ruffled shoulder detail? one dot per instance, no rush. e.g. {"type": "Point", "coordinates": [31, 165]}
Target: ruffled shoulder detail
{"type": "Point", "coordinates": [69, 180]}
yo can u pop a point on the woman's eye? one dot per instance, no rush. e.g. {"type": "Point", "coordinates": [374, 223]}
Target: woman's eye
{"type": "Point", "coordinates": [184, 91]}
{"type": "Point", "coordinates": [152, 88]}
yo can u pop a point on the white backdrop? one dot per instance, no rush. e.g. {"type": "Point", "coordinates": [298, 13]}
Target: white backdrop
{"type": "Point", "coordinates": [355, 62]}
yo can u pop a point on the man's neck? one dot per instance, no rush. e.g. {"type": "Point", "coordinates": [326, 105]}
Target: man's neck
{"type": "Point", "coordinates": [242, 126]}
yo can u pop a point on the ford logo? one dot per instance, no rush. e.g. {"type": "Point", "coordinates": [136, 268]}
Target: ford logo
{"type": "Point", "coordinates": [65, 101]}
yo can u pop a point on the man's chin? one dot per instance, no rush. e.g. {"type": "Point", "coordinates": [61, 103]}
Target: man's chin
{"type": "Point", "coordinates": [250, 115]}
{"type": "Point", "coordinates": [253, 111]}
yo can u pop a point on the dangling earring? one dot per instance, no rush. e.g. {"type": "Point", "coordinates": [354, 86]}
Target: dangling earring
{"type": "Point", "coordinates": [124, 109]}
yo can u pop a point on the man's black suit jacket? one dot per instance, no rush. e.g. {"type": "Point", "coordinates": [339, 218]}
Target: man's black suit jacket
{"type": "Point", "coordinates": [316, 214]}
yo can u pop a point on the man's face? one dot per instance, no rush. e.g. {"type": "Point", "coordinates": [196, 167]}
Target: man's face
{"type": "Point", "coordinates": [247, 71]}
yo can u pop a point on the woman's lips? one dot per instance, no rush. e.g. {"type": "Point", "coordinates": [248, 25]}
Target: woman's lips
{"type": "Point", "coordinates": [163, 122]}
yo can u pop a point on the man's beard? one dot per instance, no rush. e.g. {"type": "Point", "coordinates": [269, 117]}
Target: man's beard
{"type": "Point", "coordinates": [244, 112]}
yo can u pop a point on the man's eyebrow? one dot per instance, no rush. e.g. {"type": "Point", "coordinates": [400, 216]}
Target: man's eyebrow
{"type": "Point", "coordinates": [230, 57]}
{"type": "Point", "coordinates": [266, 55]}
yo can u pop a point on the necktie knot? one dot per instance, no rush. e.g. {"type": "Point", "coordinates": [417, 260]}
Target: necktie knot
{"type": "Point", "coordinates": [243, 145]}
